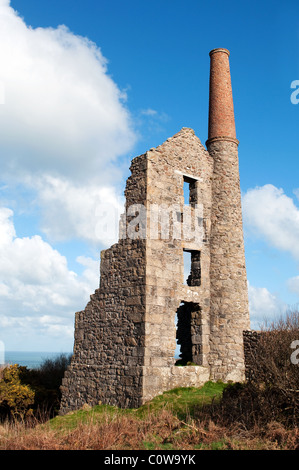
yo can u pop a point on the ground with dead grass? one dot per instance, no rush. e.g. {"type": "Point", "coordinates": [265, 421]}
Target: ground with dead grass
{"type": "Point", "coordinates": [172, 421]}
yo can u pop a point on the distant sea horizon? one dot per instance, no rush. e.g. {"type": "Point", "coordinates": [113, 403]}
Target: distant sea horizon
{"type": "Point", "coordinates": [34, 359]}
{"type": "Point", "coordinates": [31, 359]}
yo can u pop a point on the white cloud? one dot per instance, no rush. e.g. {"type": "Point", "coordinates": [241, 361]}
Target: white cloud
{"type": "Point", "coordinates": [38, 293]}
{"type": "Point", "coordinates": [269, 213]}
{"type": "Point", "coordinates": [296, 192]}
{"type": "Point", "coordinates": [263, 306]}
{"type": "Point", "coordinates": [62, 114]}
{"type": "Point", "coordinates": [64, 125]}
{"type": "Point", "coordinates": [149, 112]}
{"type": "Point", "coordinates": [7, 230]}
{"type": "Point", "coordinates": [88, 212]}
{"type": "Point", "coordinates": [293, 285]}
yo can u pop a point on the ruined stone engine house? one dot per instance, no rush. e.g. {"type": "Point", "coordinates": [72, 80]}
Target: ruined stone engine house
{"type": "Point", "coordinates": [125, 339]}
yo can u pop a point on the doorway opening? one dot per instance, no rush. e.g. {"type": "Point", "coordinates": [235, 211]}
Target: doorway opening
{"type": "Point", "coordinates": [188, 334]}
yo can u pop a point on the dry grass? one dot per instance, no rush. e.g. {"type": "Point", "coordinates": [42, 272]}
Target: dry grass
{"type": "Point", "coordinates": [127, 431]}
{"type": "Point", "coordinates": [262, 414]}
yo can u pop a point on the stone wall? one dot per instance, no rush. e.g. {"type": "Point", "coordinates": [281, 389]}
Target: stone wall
{"type": "Point", "coordinates": [180, 158]}
{"type": "Point", "coordinates": [109, 334]}
{"type": "Point", "coordinates": [251, 339]}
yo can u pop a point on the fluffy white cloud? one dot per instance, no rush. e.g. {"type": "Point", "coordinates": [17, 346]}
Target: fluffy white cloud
{"type": "Point", "coordinates": [38, 293]}
{"type": "Point", "coordinates": [7, 230]}
{"type": "Point", "coordinates": [86, 212]}
{"type": "Point", "coordinates": [62, 113]}
{"type": "Point", "coordinates": [63, 127]}
{"type": "Point", "coordinates": [263, 306]}
{"type": "Point", "coordinates": [269, 213]}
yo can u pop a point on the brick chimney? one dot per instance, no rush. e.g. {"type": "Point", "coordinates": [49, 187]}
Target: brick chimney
{"type": "Point", "coordinates": [221, 108]}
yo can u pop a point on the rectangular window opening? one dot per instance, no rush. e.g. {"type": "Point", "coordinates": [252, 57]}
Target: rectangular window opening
{"type": "Point", "coordinates": [189, 188]}
{"type": "Point", "coordinates": [192, 267]}
{"type": "Point", "coordinates": [186, 193]}
{"type": "Point", "coordinates": [187, 266]}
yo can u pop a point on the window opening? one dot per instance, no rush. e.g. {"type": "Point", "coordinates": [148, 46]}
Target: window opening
{"type": "Point", "coordinates": [188, 334]}
{"type": "Point", "coordinates": [186, 193]}
{"type": "Point", "coordinates": [187, 266]}
{"type": "Point", "coordinates": [192, 267]}
{"type": "Point", "coordinates": [189, 188]}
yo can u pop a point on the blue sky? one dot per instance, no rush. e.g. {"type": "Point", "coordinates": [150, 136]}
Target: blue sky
{"type": "Point", "coordinates": [79, 101]}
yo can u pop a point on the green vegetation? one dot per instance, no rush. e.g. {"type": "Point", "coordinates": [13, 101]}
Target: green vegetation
{"type": "Point", "coordinates": [179, 402]}
{"type": "Point", "coordinates": [26, 391]}
{"type": "Point", "coordinates": [185, 401]}
{"type": "Point", "coordinates": [15, 397]}
{"type": "Point", "coordinates": [260, 414]}
{"type": "Point", "coordinates": [183, 418]}
{"type": "Point", "coordinates": [177, 419]}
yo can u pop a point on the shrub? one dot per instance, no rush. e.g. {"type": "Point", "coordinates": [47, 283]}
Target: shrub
{"type": "Point", "coordinates": [15, 397]}
{"type": "Point", "coordinates": [46, 381]}
{"type": "Point", "coordinates": [271, 391]}
{"type": "Point", "coordinates": [276, 377]}
{"type": "Point", "coordinates": [26, 391]}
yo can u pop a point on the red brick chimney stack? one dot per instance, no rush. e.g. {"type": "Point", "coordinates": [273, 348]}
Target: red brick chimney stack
{"type": "Point", "coordinates": [221, 107]}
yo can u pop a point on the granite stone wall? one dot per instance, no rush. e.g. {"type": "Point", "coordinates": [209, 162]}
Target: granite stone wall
{"type": "Point", "coordinates": [251, 340]}
{"type": "Point", "coordinates": [109, 334]}
{"type": "Point", "coordinates": [181, 158]}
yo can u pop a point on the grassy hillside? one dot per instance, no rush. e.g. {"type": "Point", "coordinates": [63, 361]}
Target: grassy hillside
{"type": "Point", "coordinates": [178, 419]}
{"type": "Point", "coordinates": [179, 402]}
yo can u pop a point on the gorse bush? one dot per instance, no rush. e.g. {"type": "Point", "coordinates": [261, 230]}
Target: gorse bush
{"type": "Point", "coordinates": [26, 391]}
{"type": "Point", "coordinates": [16, 398]}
